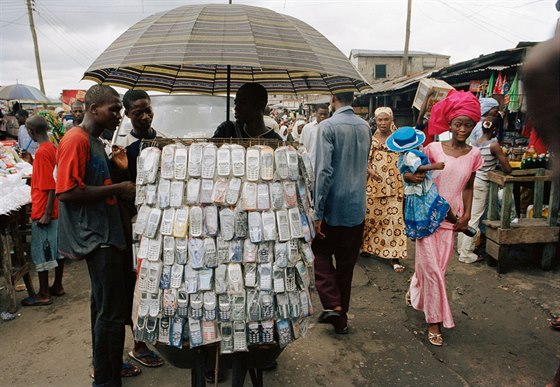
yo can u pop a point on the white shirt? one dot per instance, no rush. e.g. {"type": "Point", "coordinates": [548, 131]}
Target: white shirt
{"type": "Point", "coordinates": [309, 139]}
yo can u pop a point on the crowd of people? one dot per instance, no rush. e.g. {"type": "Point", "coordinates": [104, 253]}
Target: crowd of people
{"type": "Point", "coordinates": [372, 193]}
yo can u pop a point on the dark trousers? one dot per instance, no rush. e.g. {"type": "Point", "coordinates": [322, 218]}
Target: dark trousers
{"type": "Point", "coordinates": [334, 283]}
{"type": "Point", "coordinates": [105, 266]}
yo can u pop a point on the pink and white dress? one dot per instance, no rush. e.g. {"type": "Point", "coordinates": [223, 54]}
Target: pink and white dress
{"type": "Point", "coordinates": [428, 292]}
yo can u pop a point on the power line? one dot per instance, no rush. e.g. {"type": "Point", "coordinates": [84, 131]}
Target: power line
{"type": "Point", "coordinates": [56, 45]}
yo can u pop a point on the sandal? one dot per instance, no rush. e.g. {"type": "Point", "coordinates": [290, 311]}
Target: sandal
{"type": "Point", "coordinates": [147, 359]}
{"type": "Point", "coordinates": [32, 301]}
{"type": "Point", "coordinates": [127, 370]}
{"type": "Point", "coordinates": [554, 323]}
{"type": "Point", "coordinates": [435, 339]}
{"type": "Point", "coordinates": [398, 268]}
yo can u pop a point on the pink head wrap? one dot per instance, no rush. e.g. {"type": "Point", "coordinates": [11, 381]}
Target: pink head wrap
{"type": "Point", "coordinates": [457, 103]}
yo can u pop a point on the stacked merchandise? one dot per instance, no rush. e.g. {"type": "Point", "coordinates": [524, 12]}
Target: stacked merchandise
{"type": "Point", "coordinates": [224, 253]}
{"type": "Point", "coordinates": [14, 190]}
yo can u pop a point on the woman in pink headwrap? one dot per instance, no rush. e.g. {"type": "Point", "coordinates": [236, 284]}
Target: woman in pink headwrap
{"type": "Point", "coordinates": [459, 112]}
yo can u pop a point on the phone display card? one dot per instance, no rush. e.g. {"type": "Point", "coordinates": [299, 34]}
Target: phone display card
{"type": "Point", "coordinates": [196, 302]}
{"type": "Point", "coordinates": [227, 223]}
{"type": "Point", "coordinates": [281, 251]}
{"type": "Point", "coordinates": [224, 160]}
{"type": "Point", "coordinates": [236, 251]}
{"type": "Point", "coordinates": [267, 163]}
{"type": "Point", "coordinates": [241, 223]}
{"type": "Point", "coordinates": [238, 160]}
{"type": "Point", "coordinates": [291, 282]}
{"type": "Point", "coordinates": [278, 279]}
{"type": "Point", "coordinates": [176, 332]}
{"type": "Point", "coordinates": [220, 280]}
{"type": "Point", "coordinates": [211, 220]}
{"type": "Point", "coordinates": [305, 303]}
{"type": "Point", "coordinates": [196, 253]}
{"type": "Point", "coordinates": [180, 222]}
{"type": "Point", "coordinates": [281, 160]}
{"type": "Point", "coordinates": [307, 253]}
{"type": "Point", "coordinates": [163, 195]}
{"type": "Point", "coordinates": [222, 247]}
{"type": "Point", "coordinates": [182, 303]}
{"type": "Point", "coordinates": [141, 220]}
{"type": "Point", "coordinates": [224, 307]}
{"type": "Point", "coordinates": [249, 196]}
{"type": "Point", "coordinates": [253, 333]}
{"type": "Point", "coordinates": [238, 306]}
{"type": "Point", "coordinates": [206, 189]}
{"type": "Point", "coordinates": [265, 276]}
{"type": "Point", "coordinates": [140, 197]}
{"type": "Point", "coordinates": [265, 253]}
{"type": "Point", "coordinates": [154, 248]}
{"type": "Point", "coordinates": [303, 275]}
{"type": "Point", "coordinates": [266, 301]}
{"type": "Point", "coordinates": [209, 332]}
{"type": "Point", "coordinates": [209, 161]}
{"type": "Point", "coordinates": [181, 251]}
{"type": "Point", "coordinates": [269, 226]}
{"type": "Point", "coordinates": [276, 195]}
{"type": "Point", "coordinates": [167, 161]}
{"type": "Point", "coordinates": [177, 275]}
{"type": "Point", "coordinates": [226, 332]}
{"type": "Point", "coordinates": [255, 227]}
{"type": "Point", "coordinates": [167, 219]}
{"type": "Point", "coordinates": [210, 306]}
{"type": "Point", "coordinates": [195, 333]}
{"type": "Point", "coordinates": [282, 306]}
{"type": "Point", "coordinates": [153, 278]}
{"type": "Point", "coordinates": [193, 191]}
{"type": "Point", "coordinates": [195, 160]}
{"type": "Point", "coordinates": [143, 270]}
{"type": "Point", "coordinates": [267, 332]}
{"type": "Point", "coordinates": [295, 308]}
{"type": "Point", "coordinates": [283, 223]}
{"type": "Point", "coordinates": [220, 191]}
{"type": "Point", "coordinates": [252, 164]}
{"type": "Point", "coordinates": [165, 280]}
{"type": "Point", "coordinates": [151, 164]}
{"type": "Point", "coordinates": [293, 252]}
{"type": "Point", "coordinates": [143, 248]}
{"type": "Point", "coordinates": [168, 250]}
{"type": "Point", "coordinates": [290, 194]}
{"type": "Point", "coordinates": [250, 251]}
{"type": "Point", "coordinates": [169, 302]}
{"type": "Point", "coordinates": [293, 163]}
{"type": "Point", "coordinates": [235, 279]}
{"type": "Point", "coordinates": [210, 253]}
{"type": "Point", "coordinates": [296, 229]}
{"type": "Point", "coordinates": [177, 193]}
{"type": "Point", "coordinates": [239, 337]}
{"type": "Point", "coordinates": [191, 280]}
{"type": "Point", "coordinates": [253, 305]}
{"type": "Point", "coordinates": [263, 197]}
{"type": "Point", "coordinates": [163, 331]}
{"type": "Point", "coordinates": [153, 223]}
{"type": "Point", "coordinates": [195, 221]}
{"type": "Point", "coordinates": [250, 274]}
{"type": "Point", "coordinates": [232, 194]}
{"type": "Point", "coordinates": [180, 163]}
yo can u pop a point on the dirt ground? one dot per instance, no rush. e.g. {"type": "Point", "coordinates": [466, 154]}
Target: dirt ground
{"type": "Point", "coordinates": [501, 336]}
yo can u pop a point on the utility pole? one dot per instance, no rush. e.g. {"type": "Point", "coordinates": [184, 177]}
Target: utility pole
{"type": "Point", "coordinates": [407, 38]}
{"type": "Point", "coordinates": [34, 35]}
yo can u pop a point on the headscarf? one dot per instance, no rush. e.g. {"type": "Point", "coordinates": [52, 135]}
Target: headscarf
{"type": "Point", "coordinates": [457, 103]}
{"type": "Point", "coordinates": [389, 112]}
{"type": "Point", "coordinates": [486, 104]}
{"type": "Point", "coordinates": [383, 109]}
{"type": "Point", "coordinates": [55, 128]}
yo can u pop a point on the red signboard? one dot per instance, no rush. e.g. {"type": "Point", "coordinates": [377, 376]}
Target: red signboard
{"type": "Point", "coordinates": [69, 96]}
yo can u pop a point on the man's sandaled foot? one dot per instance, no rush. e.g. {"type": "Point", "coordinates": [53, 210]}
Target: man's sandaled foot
{"type": "Point", "coordinates": [554, 323]}
{"type": "Point", "coordinates": [148, 359]}
{"type": "Point", "coordinates": [435, 339]}
{"type": "Point", "coordinates": [36, 301]}
{"type": "Point", "coordinates": [56, 291]}
{"type": "Point", "coordinates": [129, 370]}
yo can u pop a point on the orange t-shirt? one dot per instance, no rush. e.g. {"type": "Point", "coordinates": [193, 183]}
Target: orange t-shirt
{"type": "Point", "coordinates": [42, 181]}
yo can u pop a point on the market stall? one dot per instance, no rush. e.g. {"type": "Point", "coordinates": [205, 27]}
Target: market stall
{"type": "Point", "coordinates": [15, 197]}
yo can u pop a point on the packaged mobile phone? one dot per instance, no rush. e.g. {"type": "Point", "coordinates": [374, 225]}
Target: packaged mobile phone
{"type": "Point", "coordinates": [295, 308]}
{"type": "Point", "coordinates": [283, 224]}
{"type": "Point", "coordinates": [303, 275]}
{"type": "Point", "coordinates": [180, 222]}
{"type": "Point", "coordinates": [209, 334]}
{"type": "Point", "coordinates": [181, 251]}
{"type": "Point", "coordinates": [180, 163]}
{"type": "Point", "coordinates": [177, 192]}
{"type": "Point", "coordinates": [250, 275]}
{"type": "Point", "coordinates": [220, 191]}
{"type": "Point", "coordinates": [210, 306]}
{"type": "Point", "coordinates": [206, 189]}
{"type": "Point", "coordinates": [154, 248]}
{"type": "Point", "coordinates": [193, 191]}
{"type": "Point", "coordinates": [265, 253]}
{"type": "Point", "coordinates": [153, 278]}
{"type": "Point", "coordinates": [265, 276]}
{"type": "Point", "coordinates": [267, 305]}
{"type": "Point", "coordinates": [241, 223]}
{"type": "Point", "coordinates": [239, 337]}
{"type": "Point", "coordinates": [238, 306]}
{"type": "Point", "coordinates": [196, 303]}
{"type": "Point", "coordinates": [195, 160]}
{"type": "Point", "coordinates": [205, 277]}
{"type": "Point", "coordinates": [209, 161]}
{"type": "Point", "coordinates": [281, 160]}
{"type": "Point", "coordinates": [296, 229]}
{"type": "Point", "coordinates": [196, 253]}
{"type": "Point", "coordinates": [164, 189]}
{"type": "Point", "coordinates": [252, 164]}
{"type": "Point", "coordinates": [151, 194]}
{"type": "Point", "coordinates": [176, 332]}
{"type": "Point", "coordinates": [222, 248]}
{"type": "Point", "coordinates": [267, 331]}
{"type": "Point", "coordinates": [290, 194]}
{"type": "Point", "coordinates": [163, 331]}
{"type": "Point", "coordinates": [276, 195]}
{"type": "Point", "coordinates": [151, 164]}
{"type": "Point", "coordinates": [141, 220]}
{"type": "Point", "coordinates": [176, 275]}
{"type": "Point", "coordinates": [191, 280]}
{"type": "Point", "coordinates": [210, 253]}
{"type": "Point", "coordinates": [168, 250]}
{"type": "Point", "coordinates": [224, 307]}
{"type": "Point", "coordinates": [153, 223]}
{"type": "Point", "coordinates": [267, 163]}
{"type": "Point", "coordinates": [167, 219]}
{"type": "Point", "coordinates": [165, 280]}
{"type": "Point", "coordinates": [293, 166]}
{"type": "Point", "coordinates": [235, 279]}
{"type": "Point", "coordinates": [169, 302]}
{"type": "Point", "coordinates": [281, 251]}
{"type": "Point", "coordinates": [236, 251]}
{"type": "Point", "coordinates": [226, 332]}
{"type": "Point", "coordinates": [232, 194]}
{"type": "Point", "coordinates": [211, 220]}
{"type": "Point", "coordinates": [238, 160]}
{"type": "Point", "coordinates": [167, 161]}
{"type": "Point", "coordinates": [255, 227]}
{"type": "Point", "coordinates": [249, 196]}
{"type": "Point", "coordinates": [253, 305]}
{"type": "Point", "coordinates": [278, 279]}
{"type": "Point", "coordinates": [293, 252]}
{"type": "Point", "coordinates": [307, 252]}
{"type": "Point", "coordinates": [291, 282]}
{"type": "Point", "coordinates": [224, 160]}
{"type": "Point", "coordinates": [195, 333]}
{"type": "Point", "coordinates": [143, 248]}
{"type": "Point", "coordinates": [227, 223]}
{"type": "Point", "coordinates": [140, 196]}
{"type": "Point", "coordinates": [182, 303]}
{"type": "Point", "coordinates": [269, 226]}
{"type": "Point", "coordinates": [263, 197]}
{"type": "Point", "coordinates": [195, 222]}
{"type": "Point", "coordinates": [253, 333]}
{"type": "Point", "coordinates": [220, 280]}
{"type": "Point", "coordinates": [282, 306]}
{"type": "Point", "coordinates": [250, 251]}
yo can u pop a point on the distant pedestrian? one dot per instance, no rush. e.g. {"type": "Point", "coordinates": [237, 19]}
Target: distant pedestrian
{"type": "Point", "coordinates": [458, 112]}
{"type": "Point", "coordinates": [77, 110]}
{"type": "Point", "coordinates": [343, 145]}
{"type": "Point", "coordinates": [310, 131]}
{"type": "Point", "coordinates": [44, 216]}
{"type": "Point", "coordinates": [25, 142]}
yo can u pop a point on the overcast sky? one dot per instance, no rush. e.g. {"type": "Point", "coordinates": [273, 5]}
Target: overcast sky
{"type": "Point", "coordinates": [72, 34]}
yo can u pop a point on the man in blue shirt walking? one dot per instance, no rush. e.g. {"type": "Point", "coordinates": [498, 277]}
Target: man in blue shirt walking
{"type": "Point", "coordinates": [343, 146]}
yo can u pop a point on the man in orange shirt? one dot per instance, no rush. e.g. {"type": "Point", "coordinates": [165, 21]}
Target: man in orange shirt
{"type": "Point", "coordinates": [44, 215]}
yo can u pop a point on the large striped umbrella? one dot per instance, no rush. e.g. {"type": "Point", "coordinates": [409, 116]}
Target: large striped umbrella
{"type": "Point", "coordinates": [196, 48]}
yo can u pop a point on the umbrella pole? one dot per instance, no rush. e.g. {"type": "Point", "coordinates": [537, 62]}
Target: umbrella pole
{"type": "Point", "coordinates": [228, 90]}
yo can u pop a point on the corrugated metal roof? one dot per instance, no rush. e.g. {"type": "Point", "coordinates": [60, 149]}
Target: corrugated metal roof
{"type": "Point", "coordinates": [359, 52]}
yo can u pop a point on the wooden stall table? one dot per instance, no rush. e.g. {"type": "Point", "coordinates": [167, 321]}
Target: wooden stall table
{"type": "Point", "coordinates": [501, 233]}
{"type": "Point", "coordinates": [13, 231]}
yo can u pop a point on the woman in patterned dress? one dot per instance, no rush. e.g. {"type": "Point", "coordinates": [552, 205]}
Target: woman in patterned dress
{"type": "Point", "coordinates": [384, 232]}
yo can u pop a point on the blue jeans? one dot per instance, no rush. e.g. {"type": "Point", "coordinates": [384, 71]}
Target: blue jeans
{"type": "Point", "coordinates": [108, 313]}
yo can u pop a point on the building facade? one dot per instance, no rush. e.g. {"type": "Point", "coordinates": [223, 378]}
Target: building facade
{"type": "Point", "coordinates": [380, 65]}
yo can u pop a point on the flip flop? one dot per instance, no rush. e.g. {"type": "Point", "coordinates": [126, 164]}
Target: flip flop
{"type": "Point", "coordinates": [30, 301]}
{"type": "Point", "coordinates": [127, 371]}
{"type": "Point", "coordinates": [398, 268]}
{"type": "Point", "coordinates": [147, 359]}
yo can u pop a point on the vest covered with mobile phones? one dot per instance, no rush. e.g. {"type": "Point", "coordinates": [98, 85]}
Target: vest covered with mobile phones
{"type": "Point", "coordinates": [224, 236]}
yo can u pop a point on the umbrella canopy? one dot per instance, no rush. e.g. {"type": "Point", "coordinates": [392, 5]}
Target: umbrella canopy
{"type": "Point", "coordinates": [189, 49]}
{"type": "Point", "coordinates": [22, 92]}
